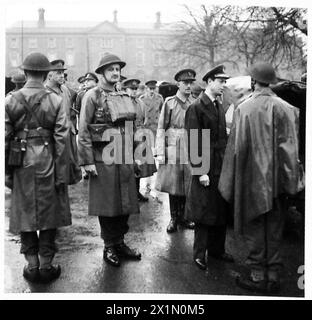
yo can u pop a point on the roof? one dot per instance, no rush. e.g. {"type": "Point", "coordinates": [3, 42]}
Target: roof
{"type": "Point", "coordinates": [89, 26]}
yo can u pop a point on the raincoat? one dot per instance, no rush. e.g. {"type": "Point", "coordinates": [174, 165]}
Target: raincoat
{"type": "Point", "coordinates": [36, 203]}
{"type": "Point", "coordinates": [261, 158]}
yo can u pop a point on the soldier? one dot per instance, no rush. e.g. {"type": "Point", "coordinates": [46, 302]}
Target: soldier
{"type": "Point", "coordinates": [35, 122]}
{"type": "Point", "coordinates": [205, 206]}
{"type": "Point", "coordinates": [141, 90]}
{"type": "Point", "coordinates": [112, 191]}
{"type": "Point", "coordinates": [261, 163]}
{"type": "Point", "coordinates": [144, 169]}
{"type": "Point", "coordinates": [55, 83]}
{"type": "Point", "coordinates": [19, 81]}
{"type": "Point", "coordinates": [152, 103]}
{"type": "Point", "coordinates": [81, 82]}
{"type": "Point", "coordinates": [172, 177]}
{"type": "Point", "coordinates": [90, 80]}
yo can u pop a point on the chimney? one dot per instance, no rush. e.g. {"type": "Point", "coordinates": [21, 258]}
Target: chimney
{"type": "Point", "coordinates": [115, 16]}
{"type": "Point", "coordinates": [41, 21]}
{"type": "Point", "coordinates": [157, 23]}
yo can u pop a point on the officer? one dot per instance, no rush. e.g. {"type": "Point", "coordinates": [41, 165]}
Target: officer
{"type": "Point", "coordinates": [145, 169]}
{"type": "Point", "coordinates": [39, 196]}
{"type": "Point", "coordinates": [152, 103]}
{"type": "Point", "coordinates": [81, 82]}
{"type": "Point", "coordinates": [55, 83]}
{"type": "Point", "coordinates": [112, 190]}
{"type": "Point", "coordinates": [90, 80]}
{"type": "Point", "coordinates": [205, 206]}
{"type": "Point", "coordinates": [172, 173]}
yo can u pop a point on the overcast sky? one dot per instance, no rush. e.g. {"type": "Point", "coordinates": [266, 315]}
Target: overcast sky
{"type": "Point", "coordinates": [128, 10]}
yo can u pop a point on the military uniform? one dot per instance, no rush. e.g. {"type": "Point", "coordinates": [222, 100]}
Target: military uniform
{"type": "Point", "coordinates": [173, 178]}
{"type": "Point", "coordinates": [205, 206]}
{"type": "Point", "coordinates": [74, 172]}
{"type": "Point", "coordinates": [39, 194]}
{"type": "Point", "coordinates": [112, 192]}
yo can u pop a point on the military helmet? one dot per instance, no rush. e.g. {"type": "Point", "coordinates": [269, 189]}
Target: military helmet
{"type": "Point", "coordinates": [18, 78]}
{"type": "Point", "coordinates": [107, 60]}
{"type": "Point", "coordinates": [36, 62]}
{"type": "Point", "coordinates": [263, 72]}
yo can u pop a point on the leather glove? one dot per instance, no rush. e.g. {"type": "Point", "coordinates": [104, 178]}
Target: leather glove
{"type": "Point", "coordinates": [90, 169]}
{"type": "Point", "coordinates": [204, 180]}
{"type": "Point", "coordinates": [161, 159]}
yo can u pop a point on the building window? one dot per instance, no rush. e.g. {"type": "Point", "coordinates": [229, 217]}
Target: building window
{"type": "Point", "coordinates": [15, 59]}
{"type": "Point", "coordinates": [51, 42]}
{"type": "Point", "coordinates": [52, 56]}
{"type": "Point", "coordinates": [13, 43]}
{"type": "Point", "coordinates": [140, 43]}
{"type": "Point", "coordinates": [157, 43]}
{"type": "Point", "coordinates": [32, 43]}
{"type": "Point", "coordinates": [69, 42]}
{"type": "Point", "coordinates": [107, 43]}
{"type": "Point", "coordinates": [140, 59]}
{"type": "Point", "coordinates": [157, 59]}
{"type": "Point", "coordinates": [70, 58]}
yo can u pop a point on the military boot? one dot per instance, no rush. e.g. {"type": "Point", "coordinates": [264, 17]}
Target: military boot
{"type": "Point", "coordinates": [31, 271]}
{"type": "Point", "coordinates": [47, 271]}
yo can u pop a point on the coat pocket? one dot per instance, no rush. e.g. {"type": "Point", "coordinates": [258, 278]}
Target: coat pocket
{"type": "Point", "coordinates": [97, 131]}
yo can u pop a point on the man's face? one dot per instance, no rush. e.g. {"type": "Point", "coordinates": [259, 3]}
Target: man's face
{"type": "Point", "coordinates": [185, 87]}
{"type": "Point", "coordinates": [151, 91]}
{"type": "Point", "coordinates": [57, 76]}
{"type": "Point", "coordinates": [112, 73]}
{"type": "Point", "coordinates": [89, 84]}
{"type": "Point", "coordinates": [217, 86]}
{"type": "Point", "coordinates": [132, 92]}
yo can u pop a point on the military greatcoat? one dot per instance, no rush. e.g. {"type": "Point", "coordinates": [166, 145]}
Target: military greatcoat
{"type": "Point", "coordinates": [36, 203]}
{"type": "Point", "coordinates": [113, 191]}
{"type": "Point", "coordinates": [172, 176]}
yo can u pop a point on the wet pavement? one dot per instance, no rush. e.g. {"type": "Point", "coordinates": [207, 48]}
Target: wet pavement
{"type": "Point", "coordinates": [166, 266]}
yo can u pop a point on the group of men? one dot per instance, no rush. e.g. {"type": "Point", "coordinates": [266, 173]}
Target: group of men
{"type": "Point", "coordinates": [252, 168]}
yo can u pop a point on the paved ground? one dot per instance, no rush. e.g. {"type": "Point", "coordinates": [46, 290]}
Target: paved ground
{"type": "Point", "coordinates": [166, 265]}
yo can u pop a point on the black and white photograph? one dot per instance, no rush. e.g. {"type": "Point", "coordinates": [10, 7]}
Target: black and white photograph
{"type": "Point", "coordinates": [155, 149]}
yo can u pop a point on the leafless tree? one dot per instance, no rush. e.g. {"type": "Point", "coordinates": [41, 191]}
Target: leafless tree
{"type": "Point", "coordinates": [240, 36]}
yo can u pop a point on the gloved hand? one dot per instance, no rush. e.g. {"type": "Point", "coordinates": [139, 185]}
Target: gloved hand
{"type": "Point", "coordinates": [204, 180]}
{"type": "Point", "coordinates": [161, 159]}
{"type": "Point", "coordinates": [90, 169]}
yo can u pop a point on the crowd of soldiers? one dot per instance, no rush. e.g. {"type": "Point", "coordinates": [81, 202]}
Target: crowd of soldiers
{"type": "Point", "coordinates": [56, 136]}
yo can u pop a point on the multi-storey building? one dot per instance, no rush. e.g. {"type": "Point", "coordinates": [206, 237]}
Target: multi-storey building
{"type": "Point", "coordinates": [81, 44]}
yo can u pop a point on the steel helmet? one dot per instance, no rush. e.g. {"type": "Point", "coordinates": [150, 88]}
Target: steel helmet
{"type": "Point", "coordinates": [107, 60]}
{"type": "Point", "coordinates": [263, 72]}
{"type": "Point", "coordinates": [36, 62]}
{"type": "Point", "coordinates": [18, 78]}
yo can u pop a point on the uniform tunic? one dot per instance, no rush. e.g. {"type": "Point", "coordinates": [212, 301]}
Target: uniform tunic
{"type": "Point", "coordinates": [172, 178]}
{"type": "Point", "coordinates": [36, 204]}
{"type": "Point", "coordinates": [113, 192]}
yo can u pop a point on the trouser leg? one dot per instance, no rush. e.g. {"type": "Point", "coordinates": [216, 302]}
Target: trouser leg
{"type": "Point", "coordinates": [113, 229]}
{"type": "Point", "coordinates": [200, 241]}
{"type": "Point", "coordinates": [47, 247]}
{"type": "Point", "coordinates": [30, 248]}
{"type": "Point", "coordinates": [275, 225]}
{"type": "Point", "coordinates": [216, 240]}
